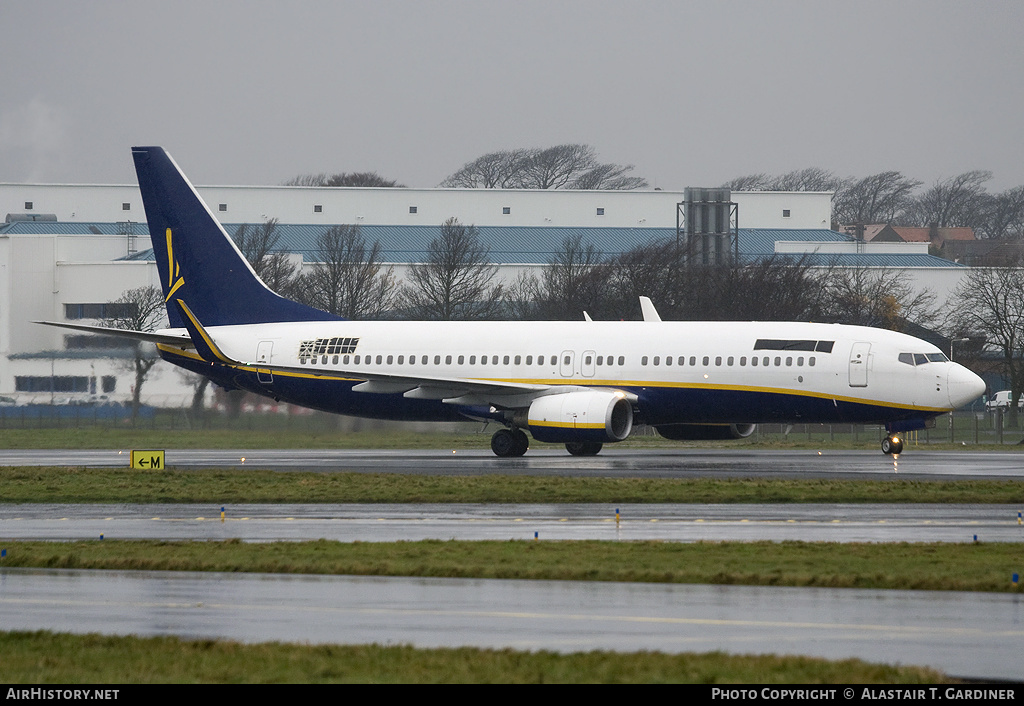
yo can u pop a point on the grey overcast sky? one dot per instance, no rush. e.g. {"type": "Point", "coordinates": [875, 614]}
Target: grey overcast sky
{"type": "Point", "coordinates": [692, 92]}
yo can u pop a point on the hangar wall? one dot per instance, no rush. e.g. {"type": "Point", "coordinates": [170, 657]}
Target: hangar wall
{"type": "Point", "coordinates": [42, 273]}
{"type": "Point", "coordinates": [482, 207]}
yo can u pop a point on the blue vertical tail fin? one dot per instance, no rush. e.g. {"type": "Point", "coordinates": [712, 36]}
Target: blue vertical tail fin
{"type": "Point", "coordinates": [197, 260]}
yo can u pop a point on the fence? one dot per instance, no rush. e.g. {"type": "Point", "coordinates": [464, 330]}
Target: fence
{"type": "Point", "coordinates": [963, 428]}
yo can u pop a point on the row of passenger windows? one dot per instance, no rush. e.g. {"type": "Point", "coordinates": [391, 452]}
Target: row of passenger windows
{"type": "Point", "coordinates": [754, 361]}
{"type": "Point", "coordinates": [449, 360]}
{"type": "Point", "coordinates": [588, 360]}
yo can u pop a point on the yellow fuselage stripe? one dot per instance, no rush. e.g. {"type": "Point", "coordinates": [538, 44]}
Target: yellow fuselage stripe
{"type": "Point", "coordinates": [202, 332]}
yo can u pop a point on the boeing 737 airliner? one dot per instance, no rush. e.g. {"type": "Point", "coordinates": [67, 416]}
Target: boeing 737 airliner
{"type": "Point", "coordinates": [582, 383]}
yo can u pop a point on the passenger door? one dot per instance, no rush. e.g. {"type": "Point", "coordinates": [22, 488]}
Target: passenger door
{"type": "Point", "coordinates": [264, 351]}
{"type": "Point", "coordinates": [859, 355]}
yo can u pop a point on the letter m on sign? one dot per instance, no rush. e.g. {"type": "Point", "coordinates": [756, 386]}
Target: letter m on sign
{"type": "Point", "coordinates": [147, 460]}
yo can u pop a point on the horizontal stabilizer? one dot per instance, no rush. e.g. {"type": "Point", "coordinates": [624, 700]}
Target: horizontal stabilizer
{"type": "Point", "coordinates": [181, 340]}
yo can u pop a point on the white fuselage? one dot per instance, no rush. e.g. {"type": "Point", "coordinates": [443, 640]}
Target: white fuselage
{"type": "Point", "coordinates": [814, 362]}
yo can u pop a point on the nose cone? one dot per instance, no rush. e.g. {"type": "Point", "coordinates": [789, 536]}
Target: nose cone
{"type": "Point", "coordinates": [963, 385]}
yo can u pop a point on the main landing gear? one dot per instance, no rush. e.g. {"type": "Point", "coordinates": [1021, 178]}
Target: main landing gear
{"type": "Point", "coordinates": [584, 448]}
{"type": "Point", "coordinates": [892, 445]}
{"type": "Point", "coordinates": [509, 443]}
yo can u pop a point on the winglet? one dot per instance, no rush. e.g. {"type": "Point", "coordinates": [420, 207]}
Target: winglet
{"type": "Point", "coordinates": [647, 307]}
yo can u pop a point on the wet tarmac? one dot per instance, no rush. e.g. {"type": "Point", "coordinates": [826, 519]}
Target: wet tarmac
{"type": "Point", "coordinates": [613, 462]}
{"type": "Point", "coordinates": [411, 522]}
{"type": "Point", "coordinates": [962, 634]}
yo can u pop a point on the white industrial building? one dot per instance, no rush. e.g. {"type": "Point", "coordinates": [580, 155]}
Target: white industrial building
{"type": "Point", "coordinates": [67, 250]}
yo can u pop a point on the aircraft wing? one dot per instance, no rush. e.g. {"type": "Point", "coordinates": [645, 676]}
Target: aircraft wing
{"type": "Point", "coordinates": [467, 391]}
{"type": "Point", "coordinates": [181, 340]}
{"type": "Point", "coordinates": [452, 390]}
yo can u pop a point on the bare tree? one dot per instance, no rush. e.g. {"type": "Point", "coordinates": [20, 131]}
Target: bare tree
{"type": "Point", "coordinates": [557, 167]}
{"type": "Point", "coordinates": [809, 179]}
{"type": "Point", "coordinates": [652, 270]}
{"type": "Point", "coordinates": [751, 182]}
{"type": "Point", "coordinates": [140, 309]}
{"type": "Point", "coordinates": [343, 179]}
{"type": "Point", "coordinates": [570, 166]}
{"type": "Point", "coordinates": [609, 177]}
{"type": "Point", "coordinates": [199, 384]}
{"type": "Point", "coordinates": [954, 202]}
{"type": "Point", "coordinates": [576, 280]}
{"type": "Point", "coordinates": [775, 288]}
{"type": "Point", "coordinates": [455, 280]}
{"type": "Point", "coordinates": [349, 278]}
{"type": "Point", "coordinates": [521, 298]}
{"type": "Point", "coordinates": [878, 297]}
{"type": "Point", "coordinates": [989, 303]}
{"type": "Point", "coordinates": [874, 199]}
{"type": "Point", "coordinates": [1004, 215]}
{"type": "Point", "coordinates": [272, 265]}
{"type": "Point", "coordinates": [495, 170]}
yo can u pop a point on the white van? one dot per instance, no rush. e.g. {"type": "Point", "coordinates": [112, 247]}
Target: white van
{"type": "Point", "coordinates": [1001, 400]}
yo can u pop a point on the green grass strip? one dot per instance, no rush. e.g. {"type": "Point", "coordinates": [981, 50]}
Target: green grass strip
{"type": "Point", "coordinates": [927, 566]}
{"type": "Point", "coordinates": [322, 432]}
{"type": "Point", "coordinates": [49, 658]}
{"type": "Point", "coordinates": [32, 484]}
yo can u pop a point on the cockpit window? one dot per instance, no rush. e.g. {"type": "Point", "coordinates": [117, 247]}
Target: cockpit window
{"type": "Point", "coordinates": [922, 358]}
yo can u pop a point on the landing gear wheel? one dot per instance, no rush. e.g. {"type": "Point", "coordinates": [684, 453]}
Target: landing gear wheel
{"type": "Point", "coordinates": [892, 445]}
{"type": "Point", "coordinates": [508, 443]}
{"type": "Point", "coordinates": [584, 448]}
{"type": "Point", "coordinates": [522, 442]}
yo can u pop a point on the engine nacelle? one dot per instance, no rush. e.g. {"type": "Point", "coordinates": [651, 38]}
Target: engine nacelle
{"type": "Point", "coordinates": [588, 415]}
{"type": "Point", "coordinates": [705, 432]}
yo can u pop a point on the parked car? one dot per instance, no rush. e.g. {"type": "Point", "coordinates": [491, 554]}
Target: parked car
{"type": "Point", "coordinates": [1001, 400]}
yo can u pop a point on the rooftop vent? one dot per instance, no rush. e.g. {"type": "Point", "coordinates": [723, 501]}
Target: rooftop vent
{"type": "Point", "coordinates": [13, 217]}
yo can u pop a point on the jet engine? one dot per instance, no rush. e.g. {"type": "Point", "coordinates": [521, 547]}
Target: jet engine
{"type": "Point", "coordinates": [705, 432]}
{"type": "Point", "coordinates": [589, 415]}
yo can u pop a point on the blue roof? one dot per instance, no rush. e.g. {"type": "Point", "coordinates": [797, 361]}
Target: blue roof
{"type": "Point", "coordinates": [519, 244]}
{"type": "Point", "coordinates": [870, 260]}
{"type": "Point", "coordinates": [508, 244]}
{"type": "Point", "coordinates": [68, 228]}
{"type": "Point", "coordinates": [761, 241]}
